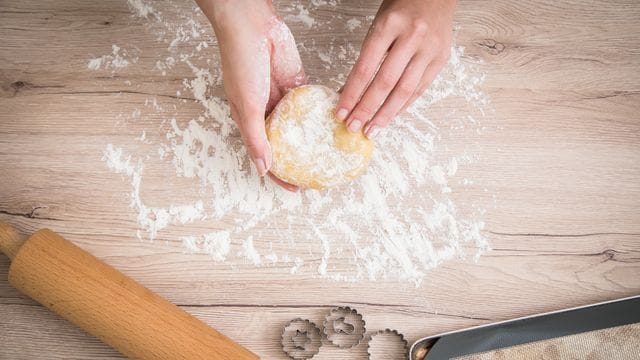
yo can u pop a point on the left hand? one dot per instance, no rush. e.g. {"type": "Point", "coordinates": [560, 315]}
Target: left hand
{"type": "Point", "coordinates": [260, 63]}
{"type": "Point", "coordinates": [407, 45]}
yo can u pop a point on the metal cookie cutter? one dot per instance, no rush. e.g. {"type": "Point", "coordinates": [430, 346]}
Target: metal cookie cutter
{"type": "Point", "coordinates": [388, 345]}
{"type": "Point", "coordinates": [344, 327]}
{"type": "Point", "coordinates": [301, 339]}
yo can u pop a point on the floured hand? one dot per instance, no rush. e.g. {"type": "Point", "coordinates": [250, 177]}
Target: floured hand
{"type": "Point", "coordinates": [260, 63]}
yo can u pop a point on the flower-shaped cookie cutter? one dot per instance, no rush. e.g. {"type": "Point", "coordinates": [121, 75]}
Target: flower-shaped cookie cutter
{"type": "Point", "coordinates": [344, 327]}
{"type": "Point", "coordinates": [301, 339]}
{"type": "Point", "coordinates": [387, 344]}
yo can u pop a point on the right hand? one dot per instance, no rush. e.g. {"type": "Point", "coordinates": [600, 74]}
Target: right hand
{"type": "Point", "coordinates": [260, 63]}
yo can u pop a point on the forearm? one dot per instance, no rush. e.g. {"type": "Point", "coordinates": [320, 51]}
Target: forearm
{"type": "Point", "coordinates": [225, 13]}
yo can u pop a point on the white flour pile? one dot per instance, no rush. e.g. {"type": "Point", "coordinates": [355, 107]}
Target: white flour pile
{"type": "Point", "coordinates": [396, 222]}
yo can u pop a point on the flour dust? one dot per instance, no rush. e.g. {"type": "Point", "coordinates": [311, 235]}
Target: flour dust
{"type": "Point", "coordinates": [395, 223]}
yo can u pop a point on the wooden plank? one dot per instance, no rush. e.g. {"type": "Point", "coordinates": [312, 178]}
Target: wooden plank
{"type": "Point", "coordinates": [558, 159]}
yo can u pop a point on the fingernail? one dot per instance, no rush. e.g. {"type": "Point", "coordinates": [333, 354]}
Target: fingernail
{"type": "Point", "coordinates": [354, 126]}
{"type": "Point", "coordinates": [372, 132]}
{"type": "Point", "coordinates": [342, 114]}
{"type": "Point", "coordinates": [261, 167]}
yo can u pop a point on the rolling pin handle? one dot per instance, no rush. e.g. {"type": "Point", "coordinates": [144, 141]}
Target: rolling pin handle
{"type": "Point", "coordinates": [10, 240]}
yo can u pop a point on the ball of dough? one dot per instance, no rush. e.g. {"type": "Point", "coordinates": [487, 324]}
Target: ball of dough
{"type": "Point", "coordinates": [310, 147]}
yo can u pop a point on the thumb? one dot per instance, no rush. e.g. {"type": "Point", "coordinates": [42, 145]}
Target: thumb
{"type": "Point", "coordinates": [251, 122]}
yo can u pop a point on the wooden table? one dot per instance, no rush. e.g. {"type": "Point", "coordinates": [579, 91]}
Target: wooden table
{"type": "Point", "coordinates": [562, 161]}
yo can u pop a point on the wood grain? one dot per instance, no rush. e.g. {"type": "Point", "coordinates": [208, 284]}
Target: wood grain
{"type": "Point", "coordinates": [109, 305]}
{"type": "Point", "coordinates": [559, 162]}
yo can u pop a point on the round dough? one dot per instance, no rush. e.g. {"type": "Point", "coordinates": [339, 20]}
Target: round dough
{"type": "Point", "coordinates": [310, 147]}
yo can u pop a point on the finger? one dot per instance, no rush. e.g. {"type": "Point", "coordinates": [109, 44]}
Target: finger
{"type": "Point", "coordinates": [247, 81]}
{"type": "Point", "coordinates": [374, 48]}
{"type": "Point", "coordinates": [285, 185]}
{"type": "Point", "coordinates": [427, 79]}
{"type": "Point", "coordinates": [401, 93]}
{"type": "Point", "coordinates": [384, 82]}
{"type": "Point", "coordinates": [250, 120]}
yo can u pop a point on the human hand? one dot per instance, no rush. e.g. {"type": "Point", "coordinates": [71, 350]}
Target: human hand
{"type": "Point", "coordinates": [407, 45]}
{"type": "Point", "coordinates": [260, 63]}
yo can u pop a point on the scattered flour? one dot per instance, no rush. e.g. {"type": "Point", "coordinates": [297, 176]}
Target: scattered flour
{"type": "Point", "coordinates": [302, 16]}
{"type": "Point", "coordinates": [217, 244]}
{"type": "Point", "coordinates": [114, 61]}
{"type": "Point", "coordinates": [150, 219]}
{"type": "Point", "coordinates": [190, 244]}
{"type": "Point", "coordinates": [396, 222]}
{"type": "Point", "coordinates": [250, 252]}
{"type": "Point", "coordinates": [319, 3]}
{"type": "Point", "coordinates": [353, 24]}
{"type": "Point", "coordinates": [141, 8]}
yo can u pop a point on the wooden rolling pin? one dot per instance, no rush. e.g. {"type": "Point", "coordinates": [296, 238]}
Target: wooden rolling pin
{"type": "Point", "coordinates": [106, 303]}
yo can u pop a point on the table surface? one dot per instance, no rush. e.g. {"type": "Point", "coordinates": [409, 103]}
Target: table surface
{"type": "Point", "coordinates": [561, 170]}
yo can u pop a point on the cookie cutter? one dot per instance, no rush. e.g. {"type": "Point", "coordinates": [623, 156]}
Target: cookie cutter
{"type": "Point", "coordinates": [378, 347]}
{"type": "Point", "coordinates": [344, 327]}
{"type": "Point", "coordinates": [301, 339]}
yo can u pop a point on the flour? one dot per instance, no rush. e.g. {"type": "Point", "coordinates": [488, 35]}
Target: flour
{"type": "Point", "coordinates": [190, 244]}
{"type": "Point", "coordinates": [353, 24]}
{"type": "Point", "coordinates": [141, 8]}
{"type": "Point", "coordinates": [319, 3]}
{"type": "Point", "coordinates": [167, 64]}
{"type": "Point", "coordinates": [309, 143]}
{"type": "Point", "coordinates": [150, 219]}
{"type": "Point", "coordinates": [438, 175]}
{"type": "Point", "coordinates": [396, 222]}
{"type": "Point", "coordinates": [302, 16]}
{"type": "Point", "coordinates": [217, 245]}
{"type": "Point", "coordinates": [250, 252]}
{"type": "Point", "coordinates": [183, 34]}
{"type": "Point", "coordinates": [114, 61]}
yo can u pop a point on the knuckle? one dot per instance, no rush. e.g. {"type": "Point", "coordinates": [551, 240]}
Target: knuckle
{"type": "Point", "coordinates": [420, 28]}
{"type": "Point", "coordinates": [386, 80]}
{"type": "Point", "coordinates": [364, 111]}
{"type": "Point", "coordinates": [391, 19]}
{"type": "Point", "coordinates": [346, 100]}
{"type": "Point", "coordinates": [362, 72]}
{"type": "Point", "coordinates": [388, 21]}
{"type": "Point", "coordinates": [251, 148]}
{"type": "Point", "coordinates": [246, 108]}
{"type": "Point", "coordinates": [252, 139]}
